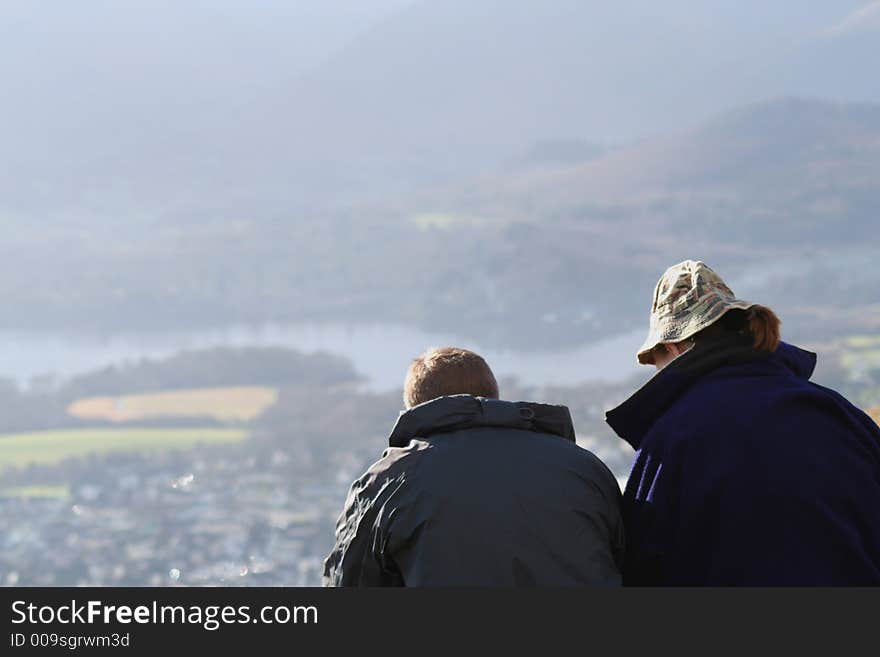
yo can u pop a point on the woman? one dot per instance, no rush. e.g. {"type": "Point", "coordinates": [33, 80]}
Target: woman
{"type": "Point", "coordinates": [746, 473]}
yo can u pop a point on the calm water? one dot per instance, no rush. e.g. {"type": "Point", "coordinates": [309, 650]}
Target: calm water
{"type": "Point", "coordinates": [380, 352]}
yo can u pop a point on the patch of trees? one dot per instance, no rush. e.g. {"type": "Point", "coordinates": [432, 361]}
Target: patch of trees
{"type": "Point", "coordinates": [221, 366]}
{"type": "Point", "coordinates": [45, 407]}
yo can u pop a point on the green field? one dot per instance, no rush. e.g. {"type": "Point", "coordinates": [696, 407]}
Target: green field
{"type": "Point", "coordinates": [48, 447]}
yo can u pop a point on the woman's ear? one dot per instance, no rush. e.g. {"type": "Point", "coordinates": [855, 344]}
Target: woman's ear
{"type": "Point", "coordinates": [675, 349]}
{"type": "Point", "coordinates": [664, 354]}
{"type": "Point", "coordinates": [668, 352]}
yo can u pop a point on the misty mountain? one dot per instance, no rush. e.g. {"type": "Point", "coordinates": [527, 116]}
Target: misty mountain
{"type": "Point", "coordinates": [176, 107]}
{"type": "Point", "coordinates": [443, 90]}
{"type": "Point", "coordinates": [795, 170]}
{"type": "Point", "coordinates": [461, 75]}
{"type": "Point", "coordinates": [782, 195]}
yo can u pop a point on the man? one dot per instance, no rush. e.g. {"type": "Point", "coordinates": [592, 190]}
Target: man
{"type": "Point", "coordinates": [746, 473]}
{"type": "Point", "coordinates": [474, 491]}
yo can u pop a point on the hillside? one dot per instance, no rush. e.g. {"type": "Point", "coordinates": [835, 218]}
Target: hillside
{"type": "Point", "coordinates": [238, 106]}
{"type": "Point", "coordinates": [321, 180]}
{"type": "Point", "coordinates": [781, 195]}
{"type": "Point", "coordinates": [462, 75]}
{"type": "Point", "coordinates": [747, 172]}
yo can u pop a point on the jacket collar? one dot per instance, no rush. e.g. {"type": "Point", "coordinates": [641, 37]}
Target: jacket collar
{"type": "Point", "coordinates": [635, 417]}
{"type": "Point", "coordinates": [455, 412]}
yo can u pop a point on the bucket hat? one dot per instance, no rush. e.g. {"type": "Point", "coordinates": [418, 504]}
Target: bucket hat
{"type": "Point", "coordinates": [689, 297]}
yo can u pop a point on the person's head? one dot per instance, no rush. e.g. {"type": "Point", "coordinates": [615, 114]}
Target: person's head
{"type": "Point", "coordinates": [448, 371]}
{"type": "Point", "coordinates": [692, 303]}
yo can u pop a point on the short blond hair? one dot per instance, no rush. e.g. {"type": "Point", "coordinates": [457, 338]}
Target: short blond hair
{"type": "Point", "coordinates": [444, 371]}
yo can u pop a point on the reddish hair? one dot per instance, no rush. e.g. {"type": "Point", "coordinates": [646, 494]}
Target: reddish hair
{"type": "Point", "coordinates": [763, 326]}
{"type": "Point", "coordinates": [758, 322]}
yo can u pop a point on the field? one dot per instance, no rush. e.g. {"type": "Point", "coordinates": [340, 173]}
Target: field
{"type": "Point", "coordinates": [54, 492]}
{"type": "Point", "coordinates": [49, 447]}
{"type": "Point", "coordinates": [861, 352]}
{"type": "Point", "coordinates": [229, 404]}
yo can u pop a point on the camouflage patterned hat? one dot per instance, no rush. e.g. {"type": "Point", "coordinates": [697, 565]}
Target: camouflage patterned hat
{"type": "Point", "coordinates": [688, 298]}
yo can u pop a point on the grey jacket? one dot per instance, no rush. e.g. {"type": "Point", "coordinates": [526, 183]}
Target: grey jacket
{"type": "Point", "coordinates": [480, 492]}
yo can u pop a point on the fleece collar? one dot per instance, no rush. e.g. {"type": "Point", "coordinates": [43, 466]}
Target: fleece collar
{"type": "Point", "coordinates": [635, 417]}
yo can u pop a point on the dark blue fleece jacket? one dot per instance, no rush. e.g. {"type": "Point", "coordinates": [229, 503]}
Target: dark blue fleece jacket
{"type": "Point", "coordinates": [746, 473]}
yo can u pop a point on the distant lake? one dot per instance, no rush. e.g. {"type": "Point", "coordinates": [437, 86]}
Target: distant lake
{"type": "Point", "coordinates": [379, 352]}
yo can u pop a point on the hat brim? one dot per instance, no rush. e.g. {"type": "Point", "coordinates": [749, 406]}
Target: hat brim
{"type": "Point", "coordinates": [678, 331]}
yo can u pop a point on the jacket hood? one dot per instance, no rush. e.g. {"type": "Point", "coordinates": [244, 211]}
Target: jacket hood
{"type": "Point", "coordinates": [455, 412]}
{"type": "Point", "coordinates": [635, 417]}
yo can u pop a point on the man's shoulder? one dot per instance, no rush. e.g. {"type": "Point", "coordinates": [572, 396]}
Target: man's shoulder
{"type": "Point", "coordinates": [393, 462]}
{"type": "Point", "coordinates": [569, 455]}
{"type": "Point", "coordinates": [595, 467]}
{"type": "Point", "coordinates": [401, 457]}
